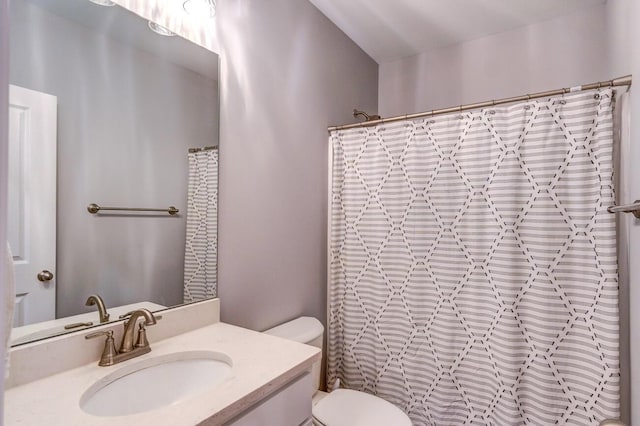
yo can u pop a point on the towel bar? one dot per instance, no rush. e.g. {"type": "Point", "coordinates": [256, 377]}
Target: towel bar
{"type": "Point", "coordinates": [627, 208]}
{"type": "Point", "coordinates": [94, 208]}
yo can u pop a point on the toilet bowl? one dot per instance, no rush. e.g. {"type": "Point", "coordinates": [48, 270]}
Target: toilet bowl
{"type": "Point", "coordinates": [342, 407]}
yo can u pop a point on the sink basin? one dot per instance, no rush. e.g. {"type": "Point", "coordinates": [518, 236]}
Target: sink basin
{"type": "Point", "coordinates": [155, 382]}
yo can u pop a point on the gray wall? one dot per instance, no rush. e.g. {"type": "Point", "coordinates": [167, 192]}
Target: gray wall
{"type": "Point", "coordinates": [287, 73]}
{"type": "Point", "coordinates": [624, 58]}
{"type": "Point", "coordinates": [125, 121]}
{"type": "Point", "coordinates": [563, 52]}
{"type": "Point", "coordinates": [619, 62]}
{"type": "Point", "coordinates": [634, 253]}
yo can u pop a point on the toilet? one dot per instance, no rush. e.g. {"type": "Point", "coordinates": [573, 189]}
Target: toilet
{"type": "Point", "coordinates": [342, 407]}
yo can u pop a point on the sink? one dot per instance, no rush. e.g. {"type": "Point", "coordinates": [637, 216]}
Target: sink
{"type": "Point", "coordinates": [156, 382]}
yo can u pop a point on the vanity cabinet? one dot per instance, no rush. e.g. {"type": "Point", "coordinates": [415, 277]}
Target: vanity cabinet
{"type": "Point", "coordinates": [270, 384]}
{"type": "Point", "coordinates": [288, 406]}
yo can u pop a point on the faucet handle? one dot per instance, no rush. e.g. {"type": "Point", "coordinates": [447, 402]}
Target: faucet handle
{"type": "Point", "coordinates": [109, 352]}
{"type": "Point", "coordinates": [142, 336]}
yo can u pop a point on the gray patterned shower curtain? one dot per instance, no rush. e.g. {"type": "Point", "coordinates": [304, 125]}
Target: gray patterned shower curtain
{"type": "Point", "coordinates": [201, 251]}
{"type": "Point", "coordinates": [472, 264]}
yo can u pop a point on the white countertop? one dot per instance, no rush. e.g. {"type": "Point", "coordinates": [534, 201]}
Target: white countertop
{"type": "Point", "coordinates": [261, 364]}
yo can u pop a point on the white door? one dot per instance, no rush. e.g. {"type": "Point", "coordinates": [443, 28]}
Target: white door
{"type": "Point", "coordinates": [32, 202]}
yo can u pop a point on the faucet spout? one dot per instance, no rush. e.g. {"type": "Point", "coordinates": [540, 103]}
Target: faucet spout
{"type": "Point", "coordinates": [110, 355]}
{"type": "Point", "coordinates": [130, 326]}
{"type": "Point", "coordinates": [94, 299]}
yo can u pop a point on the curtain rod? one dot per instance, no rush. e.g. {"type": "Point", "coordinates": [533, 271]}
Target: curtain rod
{"type": "Point", "coordinates": [620, 81]}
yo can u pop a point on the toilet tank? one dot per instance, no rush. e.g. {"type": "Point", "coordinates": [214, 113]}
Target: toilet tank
{"type": "Point", "coordinates": [307, 330]}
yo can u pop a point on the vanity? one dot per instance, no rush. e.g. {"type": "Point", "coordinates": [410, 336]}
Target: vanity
{"type": "Point", "coordinates": [199, 371]}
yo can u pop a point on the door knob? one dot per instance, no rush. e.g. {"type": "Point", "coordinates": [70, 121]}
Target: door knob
{"type": "Point", "coordinates": [45, 276]}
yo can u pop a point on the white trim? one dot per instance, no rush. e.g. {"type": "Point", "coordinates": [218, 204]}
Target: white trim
{"type": "Point", "coordinates": [4, 138]}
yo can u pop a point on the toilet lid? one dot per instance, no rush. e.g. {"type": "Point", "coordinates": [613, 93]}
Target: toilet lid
{"type": "Point", "coordinates": [344, 407]}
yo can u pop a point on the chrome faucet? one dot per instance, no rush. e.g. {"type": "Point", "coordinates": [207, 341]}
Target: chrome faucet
{"type": "Point", "coordinates": [128, 350]}
{"type": "Point", "coordinates": [94, 299]}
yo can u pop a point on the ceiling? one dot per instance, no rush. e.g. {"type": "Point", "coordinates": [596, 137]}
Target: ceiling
{"type": "Point", "coordinates": [392, 29]}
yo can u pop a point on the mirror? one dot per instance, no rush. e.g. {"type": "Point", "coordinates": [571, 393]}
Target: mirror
{"type": "Point", "coordinates": [130, 104]}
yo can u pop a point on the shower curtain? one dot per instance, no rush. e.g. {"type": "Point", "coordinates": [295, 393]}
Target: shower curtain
{"type": "Point", "coordinates": [472, 264]}
{"type": "Point", "coordinates": [201, 251]}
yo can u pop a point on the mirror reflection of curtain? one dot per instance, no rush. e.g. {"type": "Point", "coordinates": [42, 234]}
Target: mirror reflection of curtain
{"type": "Point", "coordinates": [201, 251]}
